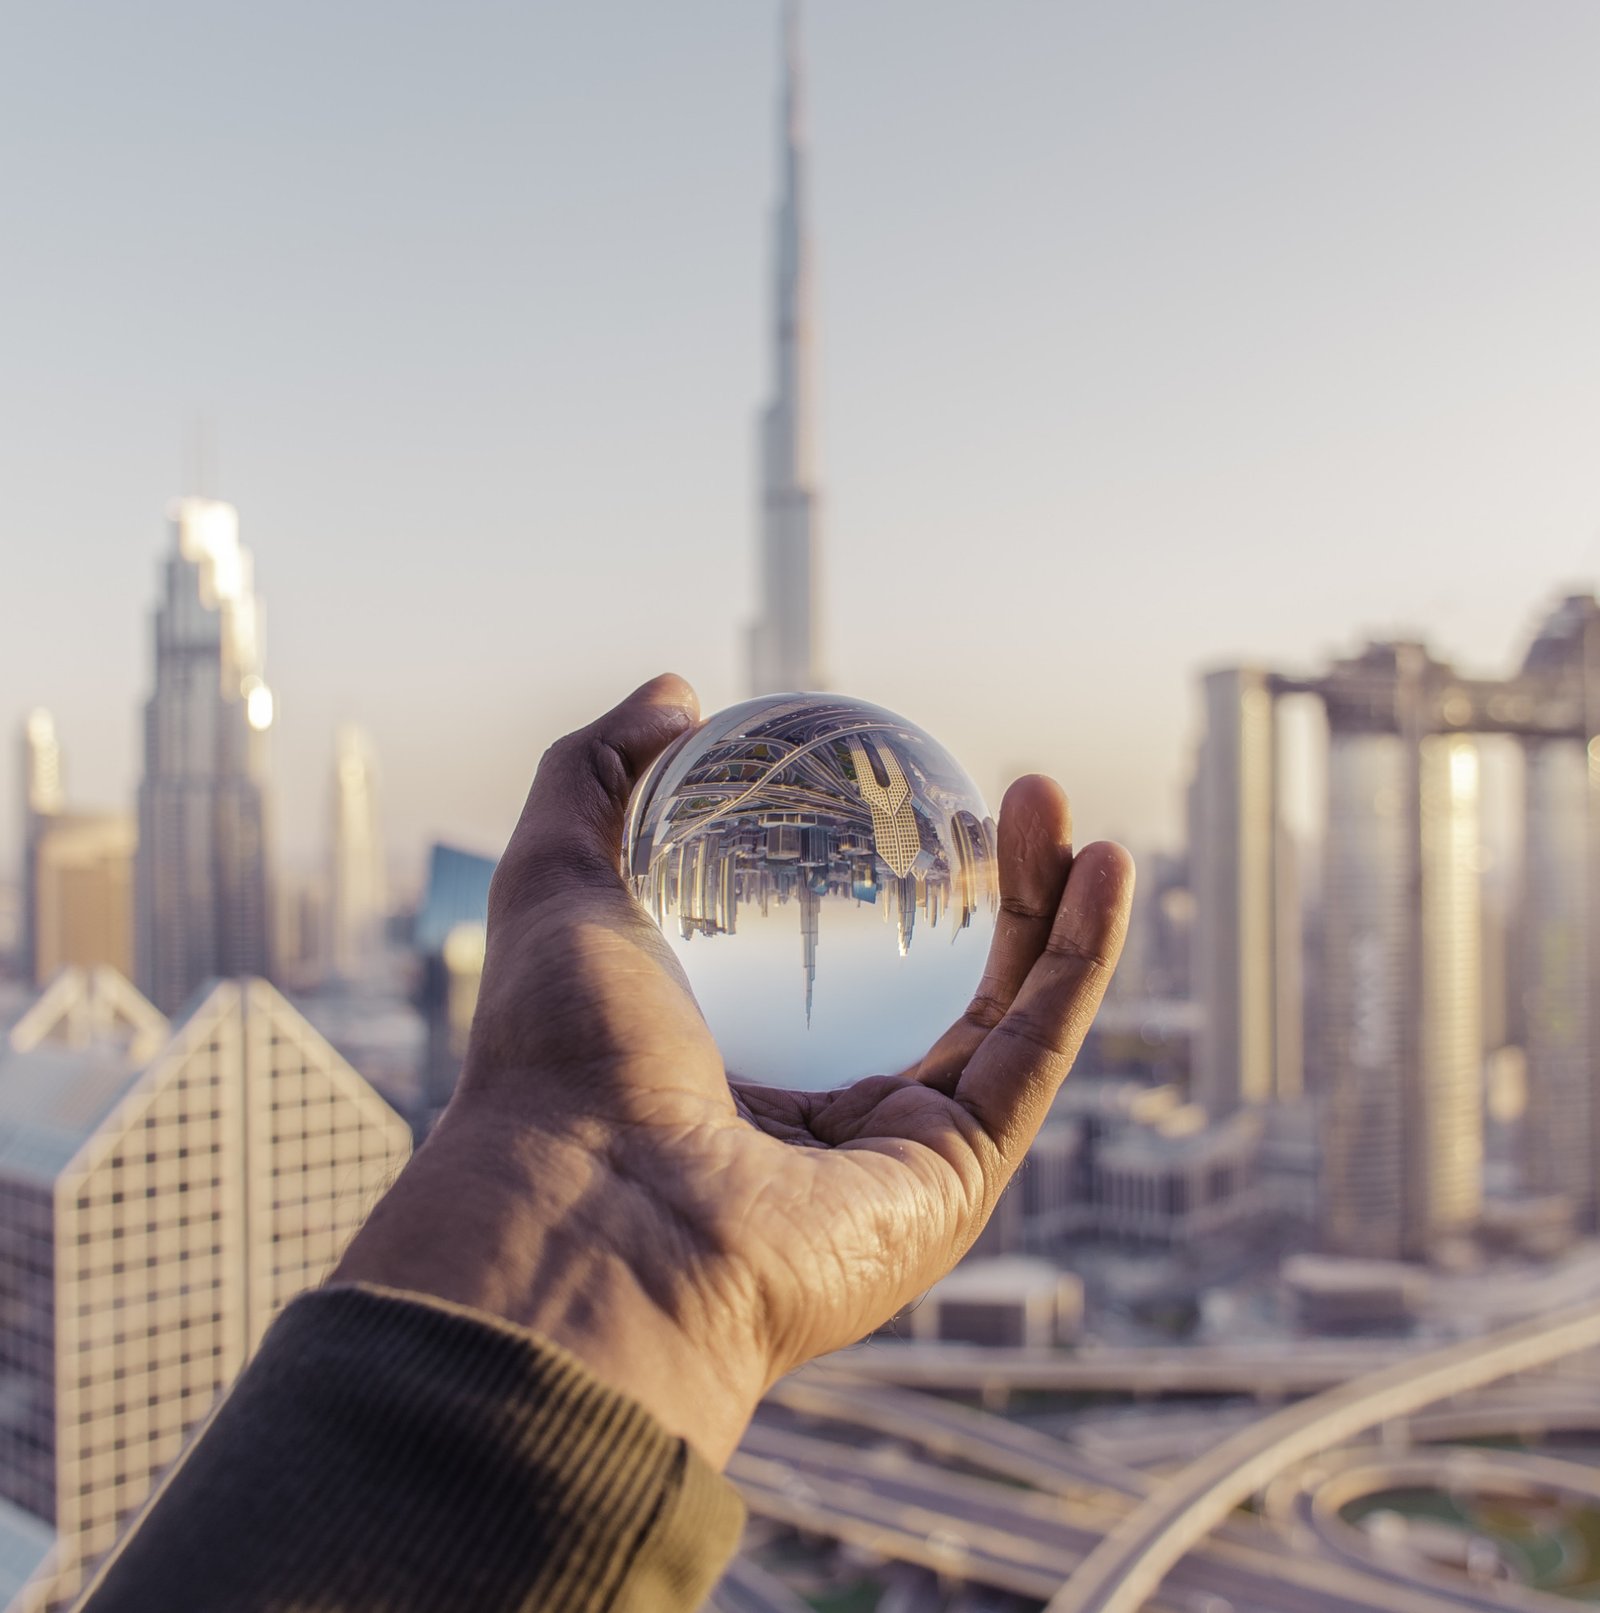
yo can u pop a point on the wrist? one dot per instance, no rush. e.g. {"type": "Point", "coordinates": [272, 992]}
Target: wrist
{"type": "Point", "coordinates": [532, 1228]}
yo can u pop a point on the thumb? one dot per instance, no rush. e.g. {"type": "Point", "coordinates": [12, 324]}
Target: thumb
{"type": "Point", "coordinates": [569, 837]}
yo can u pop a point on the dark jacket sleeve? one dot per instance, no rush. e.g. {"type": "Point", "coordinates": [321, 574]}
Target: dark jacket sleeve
{"type": "Point", "coordinates": [388, 1452]}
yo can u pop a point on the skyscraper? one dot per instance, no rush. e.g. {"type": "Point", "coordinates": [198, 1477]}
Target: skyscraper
{"type": "Point", "coordinates": [1402, 1137]}
{"type": "Point", "coordinates": [202, 893]}
{"type": "Point", "coordinates": [1407, 1007]}
{"type": "Point", "coordinates": [1246, 940]}
{"type": "Point", "coordinates": [783, 639]}
{"type": "Point", "coordinates": [356, 874]}
{"type": "Point", "coordinates": [164, 1191]}
{"type": "Point", "coordinates": [1561, 953]}
{"type": "Point", "coordinates": [83, 883]}
{"type": "Point", "coordinates": [40, 756]}
{"type": "Point", "coordinates": [77, 869]}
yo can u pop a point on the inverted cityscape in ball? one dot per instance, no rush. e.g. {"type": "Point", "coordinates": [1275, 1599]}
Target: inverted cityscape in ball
{"type": "Point", "coordinates": [825, 872]}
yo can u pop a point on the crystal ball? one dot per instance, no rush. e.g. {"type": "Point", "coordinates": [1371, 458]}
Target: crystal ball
{"type": "Point", "coordinates": [825, 872]}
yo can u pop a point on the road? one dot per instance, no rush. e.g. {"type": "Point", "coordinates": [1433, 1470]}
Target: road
{"type": "Point", "coordinates": [747, 1588]}
{"type": "Point", "coordinates": [1269, 1372]}
{"type": "Point", "coordinates": [1013, 1540]}
{"type": "Point", "coordinates": [1309, 1504]}
{"type": "Point", "coordinates": [1126, 1569]}
{"type": "Point", "coordinates": [957, 1432]}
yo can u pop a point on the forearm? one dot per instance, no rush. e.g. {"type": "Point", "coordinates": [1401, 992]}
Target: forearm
{"type": "Point", "coordinates": [382, 1452]}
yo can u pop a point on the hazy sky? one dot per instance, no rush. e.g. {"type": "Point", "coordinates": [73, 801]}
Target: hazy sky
{"type": "Point", "coordinates": [1150, 335]}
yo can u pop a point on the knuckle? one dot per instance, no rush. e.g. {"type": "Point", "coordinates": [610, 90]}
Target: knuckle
{"type": "Point", "coordinates": [1037, 1039]}
{"type": "Point", "coordinates": [1091, 956]}
{"type": "Point", "coordinates": [1018, 908]}
{"type": "Point", "coordinates": [588, 754]}
{"type": "Point", "coordinates": [609, 766]}
{"type": "Point", "coordinates": [987, 1008]}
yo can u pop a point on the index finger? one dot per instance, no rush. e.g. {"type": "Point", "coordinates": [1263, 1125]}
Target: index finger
{"type": "Point", "coordinates": [1014, 1075]}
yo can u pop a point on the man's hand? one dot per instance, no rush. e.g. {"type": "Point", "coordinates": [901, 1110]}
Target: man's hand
{"type": "Point", "coordinates": [597, 1178]}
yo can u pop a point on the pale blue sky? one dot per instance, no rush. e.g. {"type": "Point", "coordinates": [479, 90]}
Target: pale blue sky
{"type": "Point", "coordinates": [1150, 335]}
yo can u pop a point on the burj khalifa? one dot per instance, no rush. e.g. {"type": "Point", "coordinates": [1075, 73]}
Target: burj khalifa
{"type": "Point", "coordinates": [783, 639]}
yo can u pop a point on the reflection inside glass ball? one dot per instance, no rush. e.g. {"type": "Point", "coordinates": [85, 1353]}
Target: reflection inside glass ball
{"type": "Point", "coordinates": [825, 872]}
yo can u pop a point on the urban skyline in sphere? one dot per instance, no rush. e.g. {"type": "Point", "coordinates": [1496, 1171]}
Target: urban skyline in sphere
{"type": "Point", "coordinates": [825, 872]}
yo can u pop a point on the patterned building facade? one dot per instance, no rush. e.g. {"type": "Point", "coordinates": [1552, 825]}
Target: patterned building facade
{"type": "Point", "coordinates": [163, 1203]}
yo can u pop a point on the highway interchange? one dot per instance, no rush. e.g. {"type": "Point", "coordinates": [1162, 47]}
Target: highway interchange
{"type": "Point", "coordinates": [857, 1450]}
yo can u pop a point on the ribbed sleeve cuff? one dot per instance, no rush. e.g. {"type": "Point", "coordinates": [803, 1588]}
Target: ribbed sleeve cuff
{"type": "Point", "coordinates": [388, 1451]}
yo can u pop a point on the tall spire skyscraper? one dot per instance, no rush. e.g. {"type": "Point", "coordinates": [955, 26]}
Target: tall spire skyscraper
{"type": "Point", "coordinates": [201, 885]}
{"type": "Point", "coordinates": [783, 639]}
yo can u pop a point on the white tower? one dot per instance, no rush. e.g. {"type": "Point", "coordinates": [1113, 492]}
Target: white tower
{"type": "Point", "coordinates": [783, 639]}
{"type": "Point", "coordinates": [202, 893]}
{"type": "Point", "coordinates": [356, 875]}
{"type": "Point", "coordinates": [1402, 1124]}
{"type": "Point", "coordinates": [41, 802]}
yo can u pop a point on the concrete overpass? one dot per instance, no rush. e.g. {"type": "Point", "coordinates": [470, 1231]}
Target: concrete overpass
{"type": "Point", "coordinates": [1309, 1504]}
{"type": "Point", "coordinates": [1267, 1371]}
{"type": "Point", "coordinates": [957, 1432]}
{"type": "Point", "coordinates": [1010, 1539]}
{"type": "Point", "coordinates": [1124, 1572]}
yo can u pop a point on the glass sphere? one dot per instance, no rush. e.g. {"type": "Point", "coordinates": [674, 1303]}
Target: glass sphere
{"type": "Point", "coordinates": [825, 872]}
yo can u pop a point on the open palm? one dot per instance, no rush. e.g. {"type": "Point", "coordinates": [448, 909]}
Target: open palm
{"type": "Point", "coordinates": [759, 1227]}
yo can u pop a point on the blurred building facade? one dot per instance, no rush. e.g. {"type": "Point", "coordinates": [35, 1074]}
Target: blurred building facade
{"type": "Point", "coordinates": [203, 904]}
{"type": "Point", "coordinates": [1003, 1301]}
{"type": "Point", "coordinates": [357, 888]}
{"type": "Point", "coordinates": [1124, 1162]}
{"type": "Point", "coordinates": [83, 893]}
{"type": "Point", "coordinates": [1402, 1132]}
{"type": "Point", "coordinates": [449, 936]}
{"type": "Point", "coordinates": [1560, 1130]}
{"type": "Point", "coordinates": [166, 1189]}
{"type": "Point", "coordinates": [42, 800]}
{"type": "Point", "coordinates": [1248, 1047]}
{"type": "Point", "coordinates": [1408, 991]}
{"type": "Point", "coordinates": [76, 874]}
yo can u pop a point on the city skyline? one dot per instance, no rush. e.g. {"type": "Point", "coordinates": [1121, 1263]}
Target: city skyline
{"type": "Point", "coordinates": [1392, 1030]}
{"type": "Point", "coordinates": [1200, 383]}
{"type": "Point", "coordinates": [1260, 391]}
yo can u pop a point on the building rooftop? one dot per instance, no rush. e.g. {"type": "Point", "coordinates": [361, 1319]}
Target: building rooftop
{"type": "Point", "coordinates": [1115, 1097]}
{"type": "Point", "coordinates": [52, 1100]}
{"type": "Point", "coordinates": [1182, 1135]}
{"type": "Point", "coordinates": [1334, 1275]}
{"type": "Point", "coordinates": [1003, 1279]}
